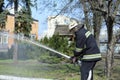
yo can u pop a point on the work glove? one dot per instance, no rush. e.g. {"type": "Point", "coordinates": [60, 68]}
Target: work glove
{"type": "Point", "coordinates": [78, 54]}
{"type": "Point", "coordinates": [74, 59]}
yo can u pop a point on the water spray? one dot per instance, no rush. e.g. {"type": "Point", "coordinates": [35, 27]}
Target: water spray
{"type": "Point", "coordinates": [52, 50]}
{"type": "Point", "coordinates": [38, 44]}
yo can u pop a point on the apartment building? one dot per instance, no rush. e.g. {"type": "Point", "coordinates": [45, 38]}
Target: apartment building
{"type": "Point", "coordinates": [5, 41]}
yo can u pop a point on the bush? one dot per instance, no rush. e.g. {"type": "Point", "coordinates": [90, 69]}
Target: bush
{"type": "Point", "coordinates": [59, 43]}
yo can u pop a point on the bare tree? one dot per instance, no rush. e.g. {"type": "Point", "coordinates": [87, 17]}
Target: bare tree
{"type": "Point", "coordinates": [108, 9]}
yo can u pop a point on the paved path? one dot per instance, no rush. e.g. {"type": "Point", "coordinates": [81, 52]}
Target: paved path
{"type": "Point", "coordinates": [7, 77]}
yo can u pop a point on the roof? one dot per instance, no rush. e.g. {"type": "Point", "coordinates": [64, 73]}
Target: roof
{"type": "Point", "coordinates": [14, 15]}
{"type": "Point", "coordinates": [62, 30]}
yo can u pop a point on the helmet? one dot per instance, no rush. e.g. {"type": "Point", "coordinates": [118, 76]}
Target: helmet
{"type": "Point", "coordinates": [72, 25]}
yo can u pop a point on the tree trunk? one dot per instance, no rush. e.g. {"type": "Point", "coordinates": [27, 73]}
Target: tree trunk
{"type": "Point", "coordinates": [86, 11]}
{"type": "Point", "coordinates": [97, 21]}
{"type": "Point", "coordinates": [110, 59]}
{"type": "Point", "coordinates": [1, 5]}
{"type": "Point", "coordinates": [110, 48]}
{"type": "Point", "coordinates": [15, 56]}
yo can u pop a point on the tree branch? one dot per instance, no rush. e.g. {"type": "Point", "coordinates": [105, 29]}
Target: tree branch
{"type": "Point", "coordinates": [100, 10]}
{"type": "Point", "coordinates": [65, 7]}
{"type": "Point", "coordinates": [117, 23]}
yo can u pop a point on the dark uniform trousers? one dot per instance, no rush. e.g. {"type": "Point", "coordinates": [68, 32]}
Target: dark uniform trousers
{"type": "Point", "coordinates": [87, 70]}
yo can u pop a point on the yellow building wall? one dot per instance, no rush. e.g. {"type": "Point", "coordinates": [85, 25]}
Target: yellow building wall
{"type": "Point", "coordinates": [35, 28]}
{"type": "Point", "coordinates": [10, 26]}
{"type": "Point", "coordinates": [10, 23]}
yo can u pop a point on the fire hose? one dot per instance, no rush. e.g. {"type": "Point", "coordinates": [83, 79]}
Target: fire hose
{"type": "Point", "coordinates": [52, 50]}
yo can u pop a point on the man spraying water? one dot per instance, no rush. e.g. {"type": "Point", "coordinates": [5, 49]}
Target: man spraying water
{"type": "Point", "coordinates": [86, 50]}
{"type": "Point", "coordinates": [89, 54]}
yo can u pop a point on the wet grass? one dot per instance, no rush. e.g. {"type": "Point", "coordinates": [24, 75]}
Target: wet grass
{"type": "Point", "coordinates": [32, 68]}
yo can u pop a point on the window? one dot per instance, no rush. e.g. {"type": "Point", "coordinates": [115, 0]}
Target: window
{"type": "Point", "coordinates": [4, 38]}
{"type": "Point", "coordinates": [20, 36]}
{"type": "Point", "coordinates": [33, 36]}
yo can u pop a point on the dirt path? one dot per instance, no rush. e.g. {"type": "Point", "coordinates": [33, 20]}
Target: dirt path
{"type": "Point", "coordinates": [7, 77]}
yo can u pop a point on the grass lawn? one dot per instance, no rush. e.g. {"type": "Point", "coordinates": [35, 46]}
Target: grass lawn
{"type": "Point", "coordinates": [32, 68]}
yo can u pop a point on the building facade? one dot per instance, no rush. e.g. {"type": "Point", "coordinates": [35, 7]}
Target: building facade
{"type": "Point", "coordinates": [5, 41]}
{"type": "Point", "coordinates": [59, 25]}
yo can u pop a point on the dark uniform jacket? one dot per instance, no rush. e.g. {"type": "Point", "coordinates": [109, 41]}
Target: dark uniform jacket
{"type": "Point", "coordinates": [86, 46]}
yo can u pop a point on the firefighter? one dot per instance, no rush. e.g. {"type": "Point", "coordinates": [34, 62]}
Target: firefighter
{"type": "Point", "coordinates": [86, 50]}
